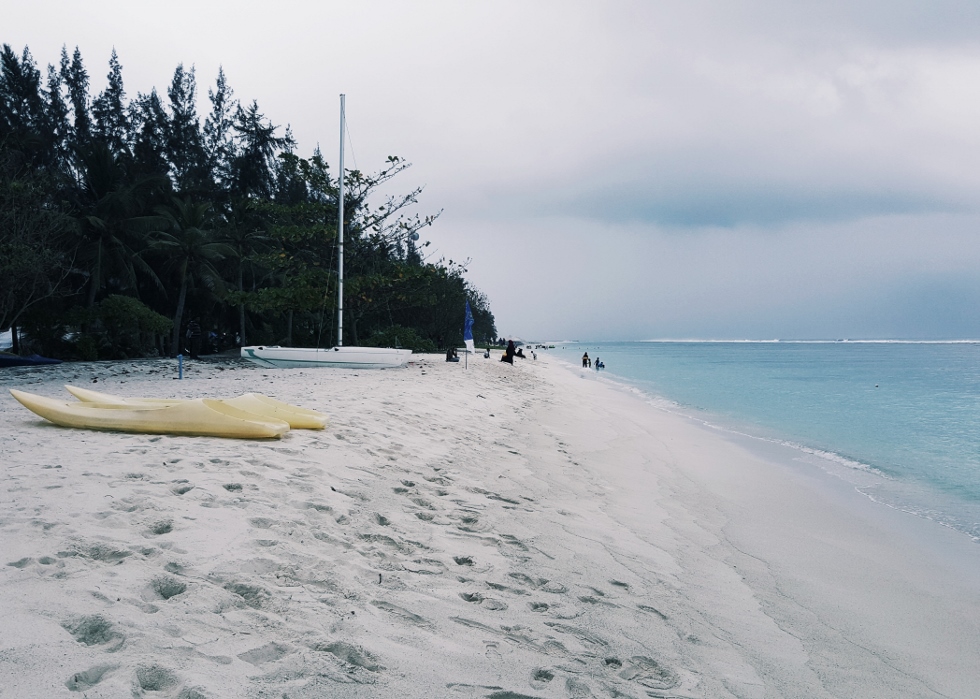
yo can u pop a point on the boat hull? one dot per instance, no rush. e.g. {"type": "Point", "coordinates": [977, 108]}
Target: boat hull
{"type": "Point", "coordinates": [336, 357]}
{"type": "Point", "coordinates": [34, 360]}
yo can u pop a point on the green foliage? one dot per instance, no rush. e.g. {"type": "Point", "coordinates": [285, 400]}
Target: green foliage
{"type": "Point", "coordinates": [397, 336]}
{"type": "Point", "coordinates": [115, 214]}
{"type": "Point", "coordinates": [32, 266]}
{"type": "Point", "coordinates": [127, 319]}
{"type": "Point", "coordinates": [119, 327]}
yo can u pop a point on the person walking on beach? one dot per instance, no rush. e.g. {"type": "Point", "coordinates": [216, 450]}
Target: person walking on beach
{"type": "Point", "coordinates": [585, 360]}
{"type": "Point", "coordinates": [509, 353]}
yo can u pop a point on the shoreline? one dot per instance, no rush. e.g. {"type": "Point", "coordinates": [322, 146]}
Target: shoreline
{"type": "Point", "coordinates": [904, 492]}
{"type": "Point", "coordinates": [534, 533]}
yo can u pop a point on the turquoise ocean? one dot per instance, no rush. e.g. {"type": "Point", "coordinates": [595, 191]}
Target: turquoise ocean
{"type": "Point", "coordinates": [905, 413]}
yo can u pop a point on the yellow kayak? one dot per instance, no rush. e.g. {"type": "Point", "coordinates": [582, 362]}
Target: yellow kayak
{"type": "Point", "coordinates": [204, 417]}
{"type": "Point", "coordinates": [262, 406]}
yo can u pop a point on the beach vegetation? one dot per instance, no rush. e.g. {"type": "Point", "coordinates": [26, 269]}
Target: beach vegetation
{"type": "Point", "coordinates": [119, 213]}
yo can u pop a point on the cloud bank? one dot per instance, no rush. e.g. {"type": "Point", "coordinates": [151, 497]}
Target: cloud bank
{"type": "Point", "coordinates": [628, 170]}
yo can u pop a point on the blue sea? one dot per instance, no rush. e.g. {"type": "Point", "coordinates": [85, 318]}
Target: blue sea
{"type": "Point", "coordinates": [906, 412]}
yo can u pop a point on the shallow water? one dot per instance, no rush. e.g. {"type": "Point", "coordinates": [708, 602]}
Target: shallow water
{"type": "Point", "coordinates": [909, 411]}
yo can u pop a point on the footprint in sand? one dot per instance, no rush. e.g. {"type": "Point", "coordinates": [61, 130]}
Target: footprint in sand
{"type": "Point", "coordinates": [401, 613]}
{"type": "Point", "coordinates": [83, 681]}
{"type": "Point", "coordinates": [268, 653]}
{"type": "Point", "coordinates": [253, 596]}
{"type": "Point", "coordinates": [485, 602]}
{"type": "Point", "coordinates": [653, 610]}
{"type": "Point", "coordinates": [164, 526]}
{"type": "Point", "coordinates": [583, 635]}
{"type": "Point", "coordinates": [648, 673]}
{"type": "Point", "coordinates": [94, 630]}
{"type": "Point", "coordinates": [155, 678]}
{"type": "Point", "coordinates": [541, 676]}
{"type": "Point", "coordinates": [351, 655]}
{"type": "Point", "coordinates": [542, 584]}
{"type": "Point", "coordinates": [166, 587]}
{"type": "Point", "coordinates": [97, 552]}
{"type": "Point", "coordinates": [425, 566]}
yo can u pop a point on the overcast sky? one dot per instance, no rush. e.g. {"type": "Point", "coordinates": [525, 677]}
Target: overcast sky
{"type": "Point", "coordinates": [623, 170]}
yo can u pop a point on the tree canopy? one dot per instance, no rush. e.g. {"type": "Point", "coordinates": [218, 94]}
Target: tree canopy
{"type": "Point", "coordinates": [112, 206]}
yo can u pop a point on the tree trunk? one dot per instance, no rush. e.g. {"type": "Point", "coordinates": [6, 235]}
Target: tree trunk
{"type": "Point", "coordinates": [93, 282]}
{"type": "Point", "coordinates": [180, 311]}
{"type": "Point", "coordinates": [241, 309]}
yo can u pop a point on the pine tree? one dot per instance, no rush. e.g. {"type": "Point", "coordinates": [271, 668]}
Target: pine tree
{"type": "Point", "coordinates": [218, 144]}
{"type": "Point", "coordinates": [23, 119]}
{"type": "Point", "coordinates": [184, 149]}
{"type": "Point", "coordinates": [75, 78]}
{"type": "Point", "coordinates": [111, 124]}
{"type": "Point", "coordinates": [253, 168]}
{"type": "Point", "coordinates": [150, 131]}
{"type": "Point", "coordinates": [57, 118]}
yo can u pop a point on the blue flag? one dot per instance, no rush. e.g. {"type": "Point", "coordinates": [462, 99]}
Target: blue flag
{"type": "Point", "coordinates": [468, 328]}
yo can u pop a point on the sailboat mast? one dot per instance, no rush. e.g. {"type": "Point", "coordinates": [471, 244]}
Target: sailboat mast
{"type": "Point", "coordinates": [340, 235]}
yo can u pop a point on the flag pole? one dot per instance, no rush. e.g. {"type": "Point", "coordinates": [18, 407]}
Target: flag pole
{"type": "Point", "coordinates": [340, 233]}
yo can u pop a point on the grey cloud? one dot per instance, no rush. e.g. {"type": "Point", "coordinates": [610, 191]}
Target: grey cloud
{"type": "Point", "coordinates": [712, 204]}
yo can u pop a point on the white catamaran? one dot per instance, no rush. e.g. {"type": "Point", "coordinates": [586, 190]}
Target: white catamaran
{"type": "Point", "coordinates": [339, 356]}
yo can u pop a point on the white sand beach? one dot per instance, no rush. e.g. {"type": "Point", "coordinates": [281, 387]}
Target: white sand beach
{"type": "Point", "coordinates": [496, 531]}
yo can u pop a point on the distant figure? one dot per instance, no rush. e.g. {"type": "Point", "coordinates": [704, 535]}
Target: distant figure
{"type": "Point", "coordinates": [486, 355]}
{"type": "Point", "coordinates": [520, 353]}
{"type": "Point", "coordinates": [194, 335]}
{"type": "Point", "coordinates": [451, 355]}
{"type": "Point", "coordinates": [509, 353]}
{"type": "Point", "coordinates": [585, 360]}
{"type": "Point", "coordinates": [598, 364]}
{"type": "Point", "coordinates": [534, 354]}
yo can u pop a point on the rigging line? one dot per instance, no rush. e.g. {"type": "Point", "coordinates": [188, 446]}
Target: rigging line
{"type": "Point", "coordinates": [322, 307]}
{"type": "Point", "coordinates": [351, 141]}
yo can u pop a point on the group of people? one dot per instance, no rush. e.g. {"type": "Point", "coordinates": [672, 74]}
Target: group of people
{"type": "Point", "coordinates": [588, 364]}
{"type": "Point", "coordinates": [511, 352]}
{"type": "Point", "coordinates": [508, 355]}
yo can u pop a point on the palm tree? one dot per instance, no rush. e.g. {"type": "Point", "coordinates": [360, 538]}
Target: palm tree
{"type": "Point", "coordinates": [108, 223]}
{"type": "Point", "coordinates": [245, 236]}
{"type": "Point", "coordinates": [191, 250]}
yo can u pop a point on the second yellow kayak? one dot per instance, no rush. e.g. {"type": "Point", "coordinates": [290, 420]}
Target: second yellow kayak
{"type": "Point", "coordinates": [255, 403]}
